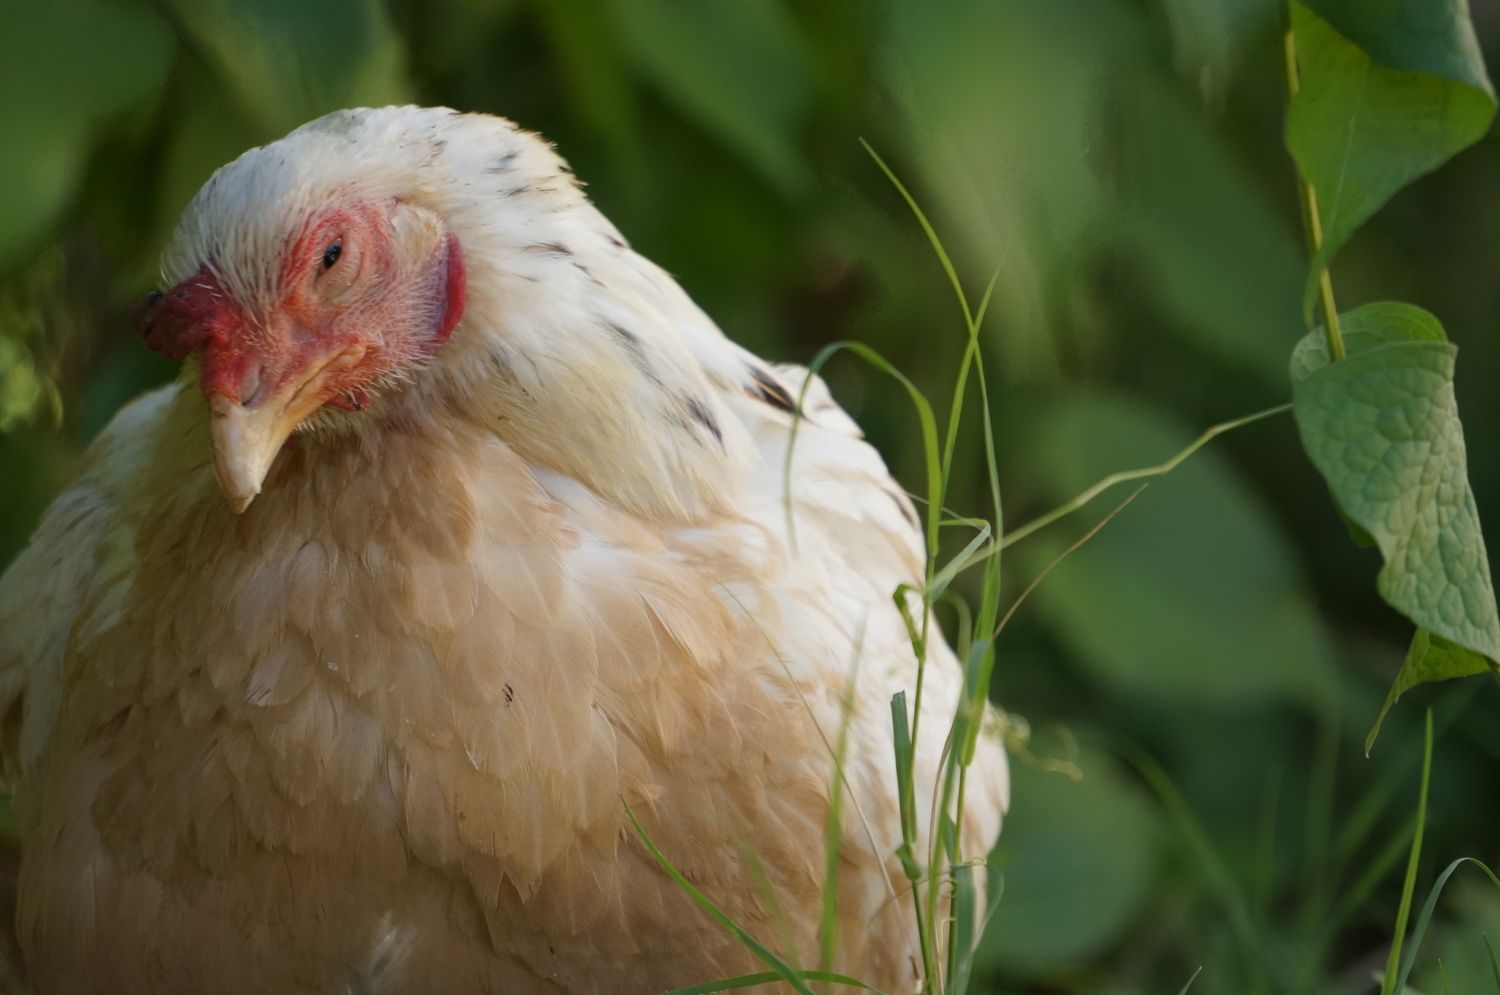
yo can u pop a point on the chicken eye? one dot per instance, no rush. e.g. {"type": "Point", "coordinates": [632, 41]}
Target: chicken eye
{"type": "Point", "coordinates": [332, 253]}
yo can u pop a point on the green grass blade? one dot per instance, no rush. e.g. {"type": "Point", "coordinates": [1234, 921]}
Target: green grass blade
{"type": "Point", "coordinates": [905, 796]}
{"type": "Point", "coordinates": [766, 891]}
{"type": "Point", "coordinates": [963, 624]}
{"type": "Point", "coordinates": [934, 481]}
{"type": "Point", "coordinates": [1494, 962]}
{"type": "Point", "coordinates": [1318, 825]}
{"type": "Point", "coordinates": [1389, 983]}
{"type": "Point", "coordinates": [927, 421]}
{"type": "Point", "coordinates": [961, 940]}
{"type": "Point", "coordinates": [1220, 878]}
{"type": "Point", "coordinates": [934, 486]}
{"type": "Point", "coordinates": [1184, 989]}
{"type": "Point", "coordinates": [1143, 473]}
{"type": "Point", "coordinates": [932, 237]}
{"type": "Point", "coordinates": [1078, 544]}
{"type": "Point", "coordinates": [963, 963]}
{"type": "Point", "coordinates": [1374, 872]}
{"type": "Point", "coordinates": [1425, 916]}
{"type": "Point", "coordinates": [970, 713]}
{"type": "Point", "coordinates": [768, 977]}
{"type": "Point", "coordinates": [833, 829]}
{"type": "Point", "coordinates": [914, 632]}
{"type": "Point", "coordinates": [782, 969]}
{"type": "Point", "coordinates": [972, 357]}
{"type": "Point", "coordinates": [964, 559]}
{"type": "Point", "coordinates": [958, 751]}
{"type": "Point", "coordinates": [906, 801]}
{"type": "Point", "coordinates": [1357, 824]}
{"type": "Point", "coordinates": [925, 418]}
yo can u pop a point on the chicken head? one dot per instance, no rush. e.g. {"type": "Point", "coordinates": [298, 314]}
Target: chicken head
{"type": "Point", "coordinates": [362, 292]}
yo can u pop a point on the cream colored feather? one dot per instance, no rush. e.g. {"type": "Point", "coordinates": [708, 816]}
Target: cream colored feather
{"type": "Point", "coordinates": [373, 734]}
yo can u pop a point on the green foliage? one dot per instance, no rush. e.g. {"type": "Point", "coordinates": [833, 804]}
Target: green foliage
{"type": "Point", "coordinates": [1382, 427]}
{"type": "Point", "coordinates": [1373, 389]}
{"type": "Point", "coordinates": [1369, 120]}
{"type": "Point", "coordinates": [1426, 36]}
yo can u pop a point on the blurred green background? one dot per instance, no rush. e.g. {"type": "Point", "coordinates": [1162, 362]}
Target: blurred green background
{"type": "Point", "coordinates": [1120, 163]}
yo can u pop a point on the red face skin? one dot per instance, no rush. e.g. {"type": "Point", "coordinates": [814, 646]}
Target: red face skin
{"type": "Point", "coordinates": [349, 314]}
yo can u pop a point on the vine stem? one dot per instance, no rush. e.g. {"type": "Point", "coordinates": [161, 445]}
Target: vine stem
{"type": "Point", "coordinates": [1312, 221]}
{"type": "Point", "coordinates": [1143, 473]}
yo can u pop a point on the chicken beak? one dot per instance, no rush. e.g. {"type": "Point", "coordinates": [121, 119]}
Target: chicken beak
{"type": "Point", "coordinates": [247, 437]}
{"type": "Point", "coordinates": [245, 442]}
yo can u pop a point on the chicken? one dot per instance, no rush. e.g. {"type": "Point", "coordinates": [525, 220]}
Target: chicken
{"type": "Point", "coordinates": [505, 548]}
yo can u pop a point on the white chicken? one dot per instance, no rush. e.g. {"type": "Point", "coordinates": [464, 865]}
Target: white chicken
{"type": "Point", "coordinates": [505, 547]}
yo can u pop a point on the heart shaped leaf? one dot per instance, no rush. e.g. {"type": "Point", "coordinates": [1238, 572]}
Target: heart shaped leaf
{"type": "Point", "coordinates": [1382, 427]}
{"type": "Point", "coordinates": [1389, 92]}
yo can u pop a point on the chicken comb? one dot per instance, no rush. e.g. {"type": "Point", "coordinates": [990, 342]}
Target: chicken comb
{"type": "Point", "coordinates": [176, 322]}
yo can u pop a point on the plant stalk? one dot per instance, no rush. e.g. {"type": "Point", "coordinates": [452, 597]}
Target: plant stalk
{"type": "Point", "coordinates": [1393, 962]}
{"type": "Point", "coordinates": [1311, 221]}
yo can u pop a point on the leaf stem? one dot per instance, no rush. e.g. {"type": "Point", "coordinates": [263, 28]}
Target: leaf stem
{"type": "Point", "coordinates": [1311, 219]}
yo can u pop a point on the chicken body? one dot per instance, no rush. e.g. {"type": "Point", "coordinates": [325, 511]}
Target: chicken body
{"type": "Point", "coordinates": [374, 733]}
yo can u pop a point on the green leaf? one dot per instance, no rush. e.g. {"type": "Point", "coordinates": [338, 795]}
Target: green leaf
{"type": "Point", "coordinates": [1382, 427]}
{"type": "Point", "coordinates": [1429, 658]}
{"type": "Point", "coordinates": [1427, 36]}
{"type": "Point", "coordinates": [1396, 323]}
{"type": "Point", "coordinates": [1147, 604]}
{"type": "Point", "coordinates": [1381, 323]}
{"type": "Point", "coordinates": [1390, 90]}
{"type": "Point", "coordinates": [289, 61]}
{"type": "Point", "coordinates": [739, 69]}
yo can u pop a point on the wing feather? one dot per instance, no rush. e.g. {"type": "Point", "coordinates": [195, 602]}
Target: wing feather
{"type": "Point", "coordinates": [43, 591]}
